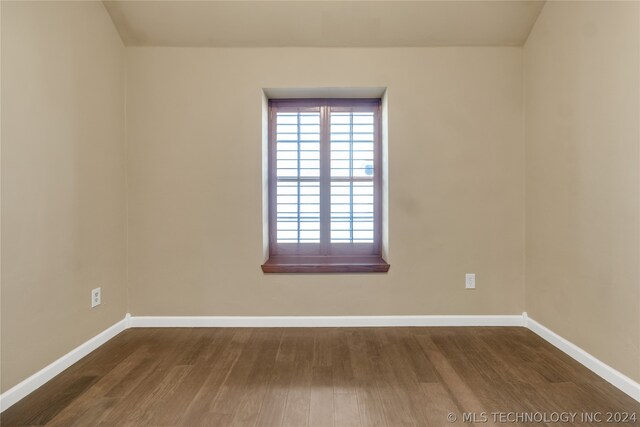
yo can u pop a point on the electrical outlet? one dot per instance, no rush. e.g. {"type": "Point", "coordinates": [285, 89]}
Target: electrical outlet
{"type": "Point", "coordinates": [470, 280]}
{"type": "Point", "coordinates": [96, 297]}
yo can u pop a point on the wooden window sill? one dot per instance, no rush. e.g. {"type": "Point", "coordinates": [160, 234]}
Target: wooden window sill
{"type": "Point", "coordinates": [325, 265]}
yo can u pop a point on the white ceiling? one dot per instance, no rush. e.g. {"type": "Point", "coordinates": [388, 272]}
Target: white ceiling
{"type": "Point", "coordinates": [352, 23]}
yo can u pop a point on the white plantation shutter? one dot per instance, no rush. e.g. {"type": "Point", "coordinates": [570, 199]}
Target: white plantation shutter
{"type": "Point", "coordinates": [298, 177]}
{"type": "Point", "coordinates": [324, 180]}
{"type": "Point", "coordinates": [352, 177]}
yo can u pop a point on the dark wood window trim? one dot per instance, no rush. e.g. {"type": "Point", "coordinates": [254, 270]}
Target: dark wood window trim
{"type": "Point", "coordinates": [324, 256]}
{"type": "Point", "coordinates": [373, 264]}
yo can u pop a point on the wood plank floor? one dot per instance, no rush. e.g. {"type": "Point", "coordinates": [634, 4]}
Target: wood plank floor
{"type": "Point", "coordinates": [320, 377]}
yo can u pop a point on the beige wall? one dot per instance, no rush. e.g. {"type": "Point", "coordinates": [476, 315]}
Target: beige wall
{"type": "Point", "coordinates": [63, 180]}
{"type": "Point", "coordinates": [455, 181]}
{"type": "Point", "coordinates": [583, 177]}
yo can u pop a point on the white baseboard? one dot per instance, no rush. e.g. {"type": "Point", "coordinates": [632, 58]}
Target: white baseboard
{"type": "Point", "coordinates": [16, 393]}
{"type": "Point", "coordinates": [618, 379]}
{"type": "Point", "coordinates": [319, 321]}
{"type": "Point", "coordinates": [35, 381]}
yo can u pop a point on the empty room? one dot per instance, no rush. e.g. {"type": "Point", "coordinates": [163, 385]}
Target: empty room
{"type": "Point", "coordinates": [320, 213]}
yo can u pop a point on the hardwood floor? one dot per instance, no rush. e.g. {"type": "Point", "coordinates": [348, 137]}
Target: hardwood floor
{"type": "Point", "coordinates": [321, 377]}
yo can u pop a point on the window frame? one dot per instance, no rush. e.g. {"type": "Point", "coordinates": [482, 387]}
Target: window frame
{"type": "Point", "coordinates": [325, 256]}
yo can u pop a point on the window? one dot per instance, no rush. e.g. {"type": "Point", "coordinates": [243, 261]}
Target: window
{"type": "Point", "coordinates": [325, 186]}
